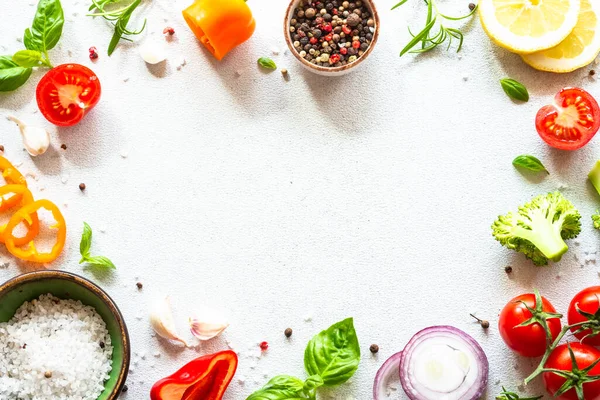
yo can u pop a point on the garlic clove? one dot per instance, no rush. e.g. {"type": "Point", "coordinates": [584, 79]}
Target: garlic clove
{"type": "Point", "coordinates": [153, 52]}
{"type": "Point", "coordinates": [36, 140]}
{"type": "Point", "coordinates": [162, 322]}
{"type": "Point", "coordinates": [207, 324]}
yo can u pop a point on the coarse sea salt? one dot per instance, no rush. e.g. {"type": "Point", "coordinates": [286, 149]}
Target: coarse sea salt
{"type": "Point", "coordinates": [54, 349]}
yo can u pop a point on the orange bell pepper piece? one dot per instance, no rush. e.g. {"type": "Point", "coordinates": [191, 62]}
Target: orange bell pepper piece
{"type": "Point", "coordinates": [33, 228]}
{"type": "Point", "coordinates": [220, 25]}
{"type": "Point", "coordinates": [11, 175]}
{"type": "Point", "coordinates": [30, 253]}
{"type": "Point", "coordinates": [205, 378]}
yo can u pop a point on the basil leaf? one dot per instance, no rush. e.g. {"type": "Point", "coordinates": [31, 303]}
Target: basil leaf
{"type": "Point", "coordinates": [312, 383]}
{"type": "Point", "coordinates": [28, 58]}
{"type": "Point", "coordinates": [333, 354]}
{"type": "Point", "coordinates": [12, 75]}
{"type": "Point", "coordinates": [46, 28]}
{"type": "Point", "coordinates": [282, 387]}
{"type": "Point", "coordinates": [514, 90]}
{"type": "Point", "coordinates": [267, 63]}
{"type": "Point", "coordinates": [86, 241]}
{"type": "Point", "coordinates": [529, 162]}
{"type": "Point", "coordinates": [99, 261]}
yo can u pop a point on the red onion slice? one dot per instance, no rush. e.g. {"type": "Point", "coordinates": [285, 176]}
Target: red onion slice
{"type": "Point", "coordinates": [387, 372]}
{"type": "Point", "coordinates": [475, 370]}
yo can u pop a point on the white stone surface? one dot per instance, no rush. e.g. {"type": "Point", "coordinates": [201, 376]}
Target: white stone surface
{"type": "Point", "coordinates": [370, 195]}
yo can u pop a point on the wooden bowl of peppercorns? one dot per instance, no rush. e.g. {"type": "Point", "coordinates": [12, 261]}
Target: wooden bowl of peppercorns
{"type": "Point", "coordinates": [331, 37]}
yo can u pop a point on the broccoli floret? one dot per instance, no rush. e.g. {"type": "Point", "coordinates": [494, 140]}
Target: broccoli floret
{"type": "Point", "coordinates": [596, 219]}
{"type": "Point", "coordinates": [540, 228]}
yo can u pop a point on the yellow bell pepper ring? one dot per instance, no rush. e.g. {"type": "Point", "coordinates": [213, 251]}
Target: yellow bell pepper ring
{"type": "Point", "coordinates": [220, 25]}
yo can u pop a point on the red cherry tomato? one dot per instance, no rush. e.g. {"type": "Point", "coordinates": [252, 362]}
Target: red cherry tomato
{"type": "Point", "coordinates": [66, 93]}
{"type": "Point", "coordinates": [560, 359]}
{"type": "Point", "coordinates": [588, 300]}
{"type": "Point", "coordinates": [530, 340]}
{"type": "Point", "coordinates": [571, 121]}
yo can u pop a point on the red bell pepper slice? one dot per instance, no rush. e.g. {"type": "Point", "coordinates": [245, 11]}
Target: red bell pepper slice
{"type": "Point", "coordinates": [205, 378]}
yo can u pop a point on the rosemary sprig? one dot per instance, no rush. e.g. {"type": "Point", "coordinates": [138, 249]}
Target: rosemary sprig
{"type": "Point", "coordinates": [120, 17]}
{"type": "Point", "coordinates": [430, 41]}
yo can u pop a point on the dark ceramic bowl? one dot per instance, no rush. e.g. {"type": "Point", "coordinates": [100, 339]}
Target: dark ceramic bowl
{"type": "Point", "coordinates": [65, 285]}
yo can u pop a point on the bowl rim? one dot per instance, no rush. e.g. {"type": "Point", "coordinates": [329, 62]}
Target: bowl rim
{"type": "Point", "coordinates": [288, 40]}
{"type": "Point", "coordinates": [33, 276]}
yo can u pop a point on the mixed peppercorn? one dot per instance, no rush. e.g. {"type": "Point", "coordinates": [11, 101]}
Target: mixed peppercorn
{"type": "Point", "coordinates": [332, 33]}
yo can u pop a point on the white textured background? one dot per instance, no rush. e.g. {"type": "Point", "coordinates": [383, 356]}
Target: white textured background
{"type": "Point", "coordinates": [369, 195]}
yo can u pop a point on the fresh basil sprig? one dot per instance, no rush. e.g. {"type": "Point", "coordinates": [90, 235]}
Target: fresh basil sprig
{"type": "Point", "coordinates": [267, 63]}
{"type": "Point", "coordinates": [43, 35]}
{"type": "Point", "coordinates": [529, 162]}
{"type": "Point", "coordinates": [515, 90]}
{"type": "Point", "coordinates": [331, 358]}
{"type": "Point", "coordinates": [84, 249]}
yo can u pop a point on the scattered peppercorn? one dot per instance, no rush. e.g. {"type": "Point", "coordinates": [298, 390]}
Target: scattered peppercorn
{"type": "Point", "coordinates": [472, 6]}
{"type": "Point", "coordinates": [139, 285]}
{"type": "Point", "coordinates": [508, 269]}
{"type": "Point", "coordinates": [48, 374]}
{"type": "Point", "coordinates": [125, 389]}
{"type": "Point", "coordinates": [331, 33]}
{"type": "Point", "coordinates": [592, 73]}
{"type": "Point", "coordinates": [63, 146]}
{"type": "Point", "coordinates": [82, 186]}
{"type": "Point", "coordinates": [169, 31]}
{"type": "Point", "coordinates": [24, 346]}
{"type": "Point", "coordinates": [102, 345]}
{"type": "Point", "coordinates": [484, 324]}
{"type": "Point", "coordinates": [374, 348]}
{"type": "Point", "coordinates": [1, 148]}
{"type": "Point", "coordinates": [288, 332]}
{"type": "Point", "coordinates": [264, 346]}
{"type": "Point", "coordinates": [93, 53]}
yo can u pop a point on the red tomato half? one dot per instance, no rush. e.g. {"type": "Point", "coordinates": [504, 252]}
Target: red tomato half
{"type": "Point", "coordinates": [530, 340]}
{"type": "Point", "coordinates": [588, 300]}
{"type": "Point", "coordinates": [66, 93]}
{"type": "Point", "coordinates": [560, 359]}
{"type": "Point", "coordinates": [571, 121]}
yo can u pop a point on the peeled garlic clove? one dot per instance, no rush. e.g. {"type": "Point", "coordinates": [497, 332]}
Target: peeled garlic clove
{"type": "Point", "coordinates": [161, 320]}
{"type": "Point", "coordinates": [36, 140]}
{"type": "Point", "coordinates": [207, 324]}
{"type": "Point", "coordinates": [153, 52]}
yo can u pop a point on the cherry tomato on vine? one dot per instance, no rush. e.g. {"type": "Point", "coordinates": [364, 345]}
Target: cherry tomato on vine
{"type": "Point", "coordinates": [577, 365]}
{"type": "Point", "coordinates": [66, 93]}
{"type": "Point", "coordinates": [588, 302]}
{"type": "Point", "coordinates": [571, 121]}
{"type": "Point", "coordinates": [529, 340]}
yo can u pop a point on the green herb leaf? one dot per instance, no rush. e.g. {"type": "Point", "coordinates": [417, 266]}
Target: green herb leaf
{"type": "Point", "coordinates": [46, 28]}
{"type": "Point", "coordinates": [84, 249]}
{"type": "Point", "coordinates": [120, 18]}
{"type": "Point", "coordinates": [99, 261]}
{"type": "Point", "coordinates": [529, 162]}
{"type": "Point", "coordinates": [282, 387]}
{"type": "Point", "coordinates": [399, 4]}
{"type": "Point", "coordinates": [334, 354]}
{"type": "Point", "coordinates": [514, 90]}
{"type": "Point", "coordinates": [28, 58]}
{"type": "Point", "coordinates": [12, 75]}
{"type": "Point", "coordinates": [418, 37]}
{"type": "Point", "coordinates": [86, 241]}
{"type": "Point", "coordinates": [267, 63]}
{"type": "Point", "coordinates": [506, 395]}
{"type": "Point", "coordinates": [312, 383]}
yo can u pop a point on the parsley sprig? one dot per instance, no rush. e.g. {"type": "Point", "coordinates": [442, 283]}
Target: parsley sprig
{"type": "Point", "coordinates": [120, 17]}
{"type": "Point", "coordinates": [427, 38]}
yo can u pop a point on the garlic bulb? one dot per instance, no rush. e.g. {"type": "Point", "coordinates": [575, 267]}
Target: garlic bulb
{"type": "Point", "coordinates": [36, 140]}
{"type": "Point", "coordinates": [207, 324]}
{"type": "Point", "coordinates": [153, 52]}
{"type": "Point", "coordinates": [161, 320]}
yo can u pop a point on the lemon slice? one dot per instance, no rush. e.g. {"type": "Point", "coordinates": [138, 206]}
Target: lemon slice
{"type": "Point", "coordinates": [579, 49]}
{"type": "Point", "coordinates": [527, 26]}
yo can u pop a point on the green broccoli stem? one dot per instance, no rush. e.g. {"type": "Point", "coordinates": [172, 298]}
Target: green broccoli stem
{"type": "Point", "coordinates": [547, 239]}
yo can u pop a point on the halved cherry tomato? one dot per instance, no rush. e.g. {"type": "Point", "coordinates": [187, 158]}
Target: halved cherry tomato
{"type": "Point", "coordinates": [583, 357]}
{"type": "Point", "coordinates": [588, 301]}
{"type": "Point", "coordinates": [66, 93]}
{"type": "Point", "coordinates": [571, 121]}
{"type": "Point", "coordinates": [529, 340]}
